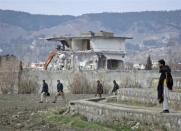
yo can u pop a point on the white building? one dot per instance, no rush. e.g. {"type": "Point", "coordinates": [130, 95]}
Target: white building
{"type": "Point", "coordinates": [139, 66]}
{"type": "Point", "coordinates": [92, 51]}
{"type": "Point", "coordinates": [37, 66]}
{"type": "Point", "coordinates": [155, 64]}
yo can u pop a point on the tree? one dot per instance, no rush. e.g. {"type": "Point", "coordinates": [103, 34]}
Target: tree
{"type": "Point", "coordinates": [149, 63]}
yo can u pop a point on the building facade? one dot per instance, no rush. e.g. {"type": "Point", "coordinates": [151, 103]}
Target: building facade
{"type": "Point", "coordinates": [89, 51]}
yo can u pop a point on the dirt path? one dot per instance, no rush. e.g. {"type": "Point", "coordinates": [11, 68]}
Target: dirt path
{"type": "Point", "coordinates": [20, 112]}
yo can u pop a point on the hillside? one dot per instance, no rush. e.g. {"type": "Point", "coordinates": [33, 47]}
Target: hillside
{"type": "Point", "coordinates": [154, 32]}
{"type": "Point", "coordinates": [31, 22]}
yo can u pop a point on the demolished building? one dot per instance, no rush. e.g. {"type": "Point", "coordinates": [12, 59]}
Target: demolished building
{"type": "Point", "coordinates": [89, 51]}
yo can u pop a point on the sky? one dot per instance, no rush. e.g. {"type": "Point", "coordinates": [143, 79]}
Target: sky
{"type": "Point", "coordinates": [78, 7]}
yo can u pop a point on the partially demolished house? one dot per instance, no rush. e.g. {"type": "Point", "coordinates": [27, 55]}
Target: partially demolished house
{"type": "Point", "coordinates": [89, 51]}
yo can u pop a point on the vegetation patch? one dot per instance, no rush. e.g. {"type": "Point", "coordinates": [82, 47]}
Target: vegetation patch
{"type": "Point", "coordinates": [79, 122]}
{"type": "Point", "coordinates": [79, 84]}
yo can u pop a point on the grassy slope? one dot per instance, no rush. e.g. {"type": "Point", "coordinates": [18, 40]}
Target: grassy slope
{"type": "Point", "coordinates": [80, 123]}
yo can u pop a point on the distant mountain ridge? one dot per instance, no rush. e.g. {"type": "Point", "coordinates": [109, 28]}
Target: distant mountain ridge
{"type": "Point", "coordinates": [32, 22]}
{"type": "Point", "coordinates": [153, 32]}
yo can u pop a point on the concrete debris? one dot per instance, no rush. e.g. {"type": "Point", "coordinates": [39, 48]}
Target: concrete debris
{"type": "Point", "coordinates": [89, 51]}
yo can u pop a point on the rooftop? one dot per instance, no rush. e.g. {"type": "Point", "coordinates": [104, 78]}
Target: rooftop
{"type": "Point", "coordinates": [88, 35]}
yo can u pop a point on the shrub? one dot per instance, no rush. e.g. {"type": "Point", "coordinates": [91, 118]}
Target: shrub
{"type": "Point", "coordinates": [7, 83]}
{"type": "Point", "coordinates": [27, 85]}
{"type": "Point", "coordinates": [80, 85]}
{"type": "Point", "coordinates": [130, 83]}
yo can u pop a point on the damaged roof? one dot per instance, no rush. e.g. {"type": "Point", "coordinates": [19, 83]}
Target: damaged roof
{"type": "Point", "coordinates": [88, 35]}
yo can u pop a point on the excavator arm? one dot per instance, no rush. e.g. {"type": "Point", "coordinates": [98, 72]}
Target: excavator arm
{"type": "Point", "coordinates": [49, 59]}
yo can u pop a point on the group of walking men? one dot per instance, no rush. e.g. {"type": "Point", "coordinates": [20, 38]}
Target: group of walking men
{"type": "Point", "coordinates": [164, 85]}
{"type": "Point", "coordinates": [45, 93]}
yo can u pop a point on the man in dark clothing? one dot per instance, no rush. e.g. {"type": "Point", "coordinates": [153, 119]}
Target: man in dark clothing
{"type": "Point", "coordinates": [165, 83]}
{"type": "Point", "coordinates": [115, 88]}
{"type": "Point", "coordinates": [44, 92]}
{"type": "Point", "coordinates": [99, 89]}
{"type": "Point", "coordinates": [59, 91]}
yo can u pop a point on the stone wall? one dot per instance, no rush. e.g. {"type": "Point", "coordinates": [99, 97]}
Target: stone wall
{"type": "Point", "coordinates": [148, 96]}
{"type": "Point", "coordinates": [9, 63]}
{"type": "Point", "coordinates": [10, 67]}
{"type": "Point", "coordinates": [101, 112]}
{"type": "Point", "coordinates": [134, 79]}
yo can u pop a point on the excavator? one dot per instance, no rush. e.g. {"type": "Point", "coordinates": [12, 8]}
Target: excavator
{"type": "Point", "coordinates": [49, 59]}
{"type": "Point", "coordinates": [53, 53]}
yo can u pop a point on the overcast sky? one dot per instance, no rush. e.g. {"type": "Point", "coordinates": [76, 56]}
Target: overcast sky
{"type": "Point", "coordinates": [78, 7]}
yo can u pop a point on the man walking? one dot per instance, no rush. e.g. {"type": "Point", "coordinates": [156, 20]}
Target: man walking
{"type": "Point", "coordinates": [164, 85]}
{"type": "Point", "coordinates": [44, 92]}
{"type": "Point", "coordinates": [99, 89]}
{"type": "Point", "coordinates": [115, 88]}
{"type": "Point", "coordinates": [59, 91]}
